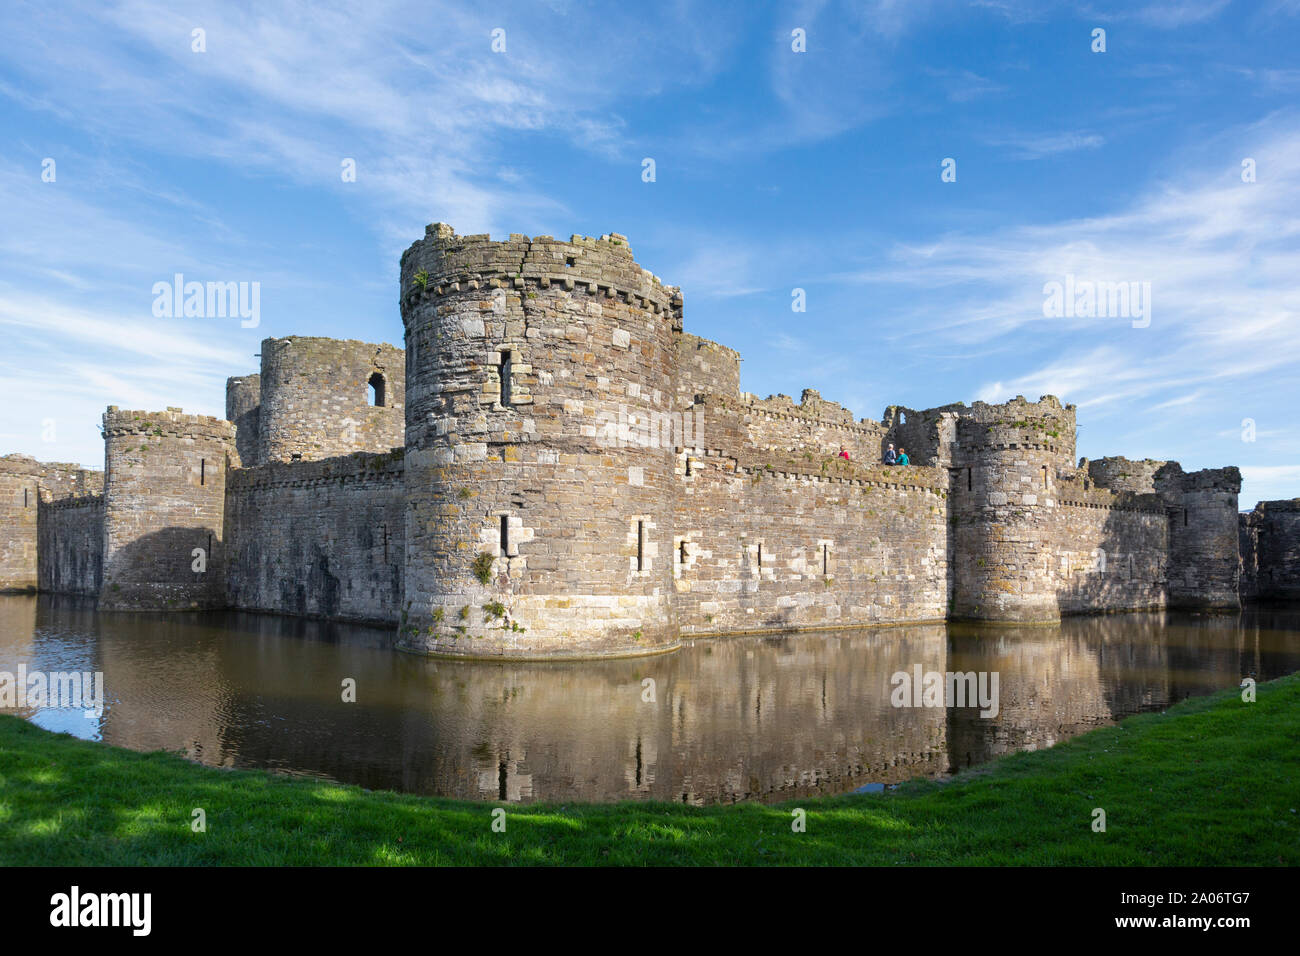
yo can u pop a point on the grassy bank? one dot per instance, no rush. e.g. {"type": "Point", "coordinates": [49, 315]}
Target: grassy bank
{"type": "Point", "coordinates": [1212, 781]}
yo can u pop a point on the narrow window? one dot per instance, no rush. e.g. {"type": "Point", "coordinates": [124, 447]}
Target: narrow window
{"type": "Point", "coordinates": [688, 466]}
{"type": "Point", "coordinates": [385, 530]}
{"type": "Point", "coordinates": [968, 479]}
{"type": "Point", "coordinates": [1044, 477]}
{"type": "Point", "coordinates": [378, 398]}
{"type": "Point", "coordinates": [209, 545]}
{"type": "Point", "coordinates": [760, 556]}
{"type": "Point", "coordinates": [640, 545]}
{"type": "Point", "coordinates": [1184, 517]}
{"type": "Point", "coordinates": [681, 552]}
{"type": "Point", "coordinates": [505, 535]}
{"type": "Point", "coordinates": [504, 370]}
{"type": "Point", "coordinates": [203, 471]}
{"type": "Point", "coordinates": [826, 559]}
{"type": "Point", "coordinates": [24, 497]}
{"type": "Point", "coordinates": [569, 262]}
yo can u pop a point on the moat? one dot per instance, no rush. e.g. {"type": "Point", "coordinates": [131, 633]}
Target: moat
{"type": "Point", "coordinates": [742, 718]}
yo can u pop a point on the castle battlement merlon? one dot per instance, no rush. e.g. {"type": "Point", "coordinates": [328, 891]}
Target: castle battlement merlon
{"type": "Point", "coordinates": [172, 423]}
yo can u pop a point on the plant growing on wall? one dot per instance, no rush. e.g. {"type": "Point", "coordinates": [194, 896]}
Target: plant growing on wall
{"type": "Point", "coordinates": [483, 567]}
{"type": "Point", "coordinates": [421, 279]}
{"type": "Point", "coordinates": [494, 610]}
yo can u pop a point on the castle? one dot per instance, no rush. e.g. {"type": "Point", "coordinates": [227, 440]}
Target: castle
{"type": "Point", "coordinates": [553, 467]}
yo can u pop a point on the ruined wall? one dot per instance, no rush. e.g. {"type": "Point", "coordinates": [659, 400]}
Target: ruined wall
{"type": "Point", "coordinates": [1270, 551]}
{"type": "Point", "coordinates": [71, 545]}
{"type": "Point", "coordinates": [521, 356]}
{"type": "Point", "coordinates": [243, 410]}
{"type": "Point", "coordinates": [164, 497]}
{"type": "Point", "coordinates": [927, 435]}
{"type": "Point", "coordinates": [1204, 561]}
{"type": "Point", "coordinates": [315, 398]}
{"type": "Point", "coordinates": [318, 539]}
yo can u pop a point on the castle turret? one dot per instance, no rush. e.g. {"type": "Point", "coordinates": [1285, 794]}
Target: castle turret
{"type": "Point", "coordinates": [164, 504]}
{"type": "Point", "coordinates": [535, 525]}
{"type": "Point", "coordinates": [243, 410]}
{"type": "Point", "coordinates": [1003, 470]}
{"type": "Point", "coordinates": [320, 398]}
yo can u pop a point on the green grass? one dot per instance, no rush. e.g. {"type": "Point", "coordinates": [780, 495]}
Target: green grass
{"type": "Point", "coordinates": [1212, 781]}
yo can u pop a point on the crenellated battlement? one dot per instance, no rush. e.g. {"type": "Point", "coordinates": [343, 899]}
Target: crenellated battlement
{"type": "Point", "coordinates": [444, 263]}
{"type": "Point", "coordinates": [171, 423]}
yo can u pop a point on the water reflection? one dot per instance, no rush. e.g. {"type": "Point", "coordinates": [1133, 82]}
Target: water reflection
{"type": "Point", "coordinates": [723, 720]}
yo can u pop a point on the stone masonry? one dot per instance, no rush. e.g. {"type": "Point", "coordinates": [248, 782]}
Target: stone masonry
{"type": "Point", "coordinates": [554, 468]}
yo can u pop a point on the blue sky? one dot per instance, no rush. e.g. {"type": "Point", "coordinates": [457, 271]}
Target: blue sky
{"type": "Point", "coordinates": [775, 170]}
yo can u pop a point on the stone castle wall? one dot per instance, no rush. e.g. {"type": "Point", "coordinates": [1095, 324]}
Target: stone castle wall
{"type": "Point", "coordinates": [558, 469]}
{"type": "Point", "coordinates": [1270, 551]}
{"type": "Point", "coordinates": [318, 539]}
{"type": "Point", "coordinates": [24, 484]}
{"type": "Point", "coordinates": [70, 545]}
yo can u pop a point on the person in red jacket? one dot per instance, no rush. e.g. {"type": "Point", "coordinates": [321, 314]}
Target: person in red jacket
{"type": "Point", "coordinates": [844, 454]}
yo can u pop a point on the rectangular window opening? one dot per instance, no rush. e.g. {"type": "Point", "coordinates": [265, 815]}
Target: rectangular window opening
{"type": "Point", "coordinates": [1044, 477]}
{"type": "Point", "coordinates": [505, 535]}
{"type": "Point", "coordinates": [681, 552]}
{"type": "Point", "coordinates": [203, 471]}
{"type": "Point", "coordinates": [1184, 517]}
{"type": "Point", "coordinates": [640, 545]}
{"type": "Point", "coordinates": [969, 479]}
{"type": "Point", "coordinates": [760, 556]}
{"type": "Point", "coordinates": [24, 497]}
{"type": "Point", "coordinates": [826, 559]}
{"type": "Point", "coordinates": [504, 370]}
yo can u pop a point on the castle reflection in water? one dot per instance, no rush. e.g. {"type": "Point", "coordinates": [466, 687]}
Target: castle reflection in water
{"type": "Point", "coordinates": [744, 718]}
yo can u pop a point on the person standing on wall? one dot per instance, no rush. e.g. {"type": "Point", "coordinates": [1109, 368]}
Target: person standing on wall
{"type": "Point", "coordinates": [844, 454]}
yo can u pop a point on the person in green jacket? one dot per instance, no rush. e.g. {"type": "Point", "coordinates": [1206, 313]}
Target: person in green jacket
{"type": "Point", "coordinates": [902, 457]}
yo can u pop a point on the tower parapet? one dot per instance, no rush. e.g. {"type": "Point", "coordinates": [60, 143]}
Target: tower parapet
{"type": "Point", "coordinates": [164, 507]}
{"type": "Point", "coordinates": [533, 529]}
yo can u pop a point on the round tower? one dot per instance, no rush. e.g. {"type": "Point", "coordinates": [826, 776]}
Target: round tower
{"type": "Point", "coordinates": [320, 398]}
{"type": "Point", "coordinates": [1003, 479]}
{"type": "Point", "coordinates": [164, 509]}
{"type": "Point", "coordinates": [540, 445]}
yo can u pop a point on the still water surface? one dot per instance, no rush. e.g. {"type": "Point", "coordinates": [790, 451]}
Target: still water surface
{"type": "Point", "coordinates": [744, 718]}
